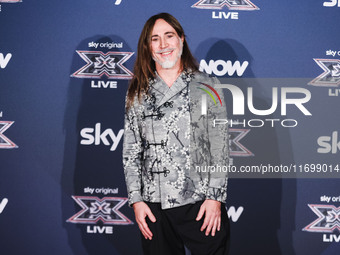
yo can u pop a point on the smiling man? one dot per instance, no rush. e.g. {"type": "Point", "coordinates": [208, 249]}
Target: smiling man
{"type": "Point", "coordinates": [165, 139]}
{"type": "Point", "coordinates": [166, 49]}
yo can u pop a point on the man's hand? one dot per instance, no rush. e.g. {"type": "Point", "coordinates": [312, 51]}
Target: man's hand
{"type": "Point", "coordinates": [212, 220]}
{"type": "Point", "coordinates": [142, 210]}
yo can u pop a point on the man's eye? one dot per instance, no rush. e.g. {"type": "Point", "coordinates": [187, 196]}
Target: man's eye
{"type": "Point", "coordinates": [170, 36]}
{"type": "Point", "coordinates": [154, 39]}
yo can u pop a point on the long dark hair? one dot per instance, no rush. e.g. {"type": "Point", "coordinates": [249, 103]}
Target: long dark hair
{"type": "Point", "coordinates": [144, 67]}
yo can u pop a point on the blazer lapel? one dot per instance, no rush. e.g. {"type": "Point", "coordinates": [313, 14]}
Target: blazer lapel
{"type": "Point", "coordinates": [177, 87]}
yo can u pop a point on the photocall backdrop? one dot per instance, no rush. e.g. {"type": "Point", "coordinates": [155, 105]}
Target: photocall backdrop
{"type": "Point", "coordinates": [64, 72]}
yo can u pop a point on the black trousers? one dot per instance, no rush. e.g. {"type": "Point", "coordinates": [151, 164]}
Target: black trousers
{"type": "Point", "coordinates": [177, 227]}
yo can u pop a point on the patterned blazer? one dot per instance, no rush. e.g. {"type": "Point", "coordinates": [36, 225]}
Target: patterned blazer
{"type": "Point", "coordinates": [172, 153]}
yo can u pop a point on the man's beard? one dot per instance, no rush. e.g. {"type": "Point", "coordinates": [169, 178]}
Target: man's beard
{"type": "Point", "coordinates": [167, 64]}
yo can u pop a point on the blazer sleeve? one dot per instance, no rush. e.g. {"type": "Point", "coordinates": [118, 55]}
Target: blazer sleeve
{"type": "Point", "coordinates": [132, 155]}
{"type": "Point", "coordinates": [219, 148]}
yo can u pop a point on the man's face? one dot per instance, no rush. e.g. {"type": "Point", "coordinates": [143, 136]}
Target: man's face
{"type": "Point", "coordinates": [166, 45]}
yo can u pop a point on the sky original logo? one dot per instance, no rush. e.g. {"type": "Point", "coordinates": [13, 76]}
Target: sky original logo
{"type": "Point", "coordinates": [331, 75]}
{"type": "Point", "coordinates": [221, 67]}
{"type": "Point", "coordinates": [328, 222]}
{"type": "Point", "coordinates": [4, 60]}
{"type": "Point", "coordinates": [241, 5]}
{"type": "Point", "coordinates": [5, 142]}
{"type": "Point", "coordinates": [99, 64]}
{"type": "Point", "coordinates": [96, 136]}
{"type": "Point", "coordinates": [95, 209]}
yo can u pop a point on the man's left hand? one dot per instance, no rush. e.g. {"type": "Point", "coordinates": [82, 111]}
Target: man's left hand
{"type": "Point", "coordinates": [212, 219]}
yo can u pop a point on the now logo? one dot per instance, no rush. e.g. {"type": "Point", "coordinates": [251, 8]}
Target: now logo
{"type": "Point", "coordinates": [221, 67]}
{"type": "Point", "coordinates": [4, 60]}
{"type": "Point", "coordinates": [96, 136]}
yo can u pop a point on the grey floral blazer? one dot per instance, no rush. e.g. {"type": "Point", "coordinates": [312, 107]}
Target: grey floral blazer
{"type": "Point", "coordinates": [170, 148]}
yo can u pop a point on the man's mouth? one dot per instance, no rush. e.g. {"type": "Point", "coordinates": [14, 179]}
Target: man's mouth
{"type": "Point", "coordinates": [166, 52]}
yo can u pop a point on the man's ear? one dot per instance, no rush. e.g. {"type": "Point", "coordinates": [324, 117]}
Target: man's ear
{"type": "Point", "coordinates": [182, 38]}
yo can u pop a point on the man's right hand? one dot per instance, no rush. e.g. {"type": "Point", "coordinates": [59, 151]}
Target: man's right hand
{"type": "Point", "coordinates": [142, 210]}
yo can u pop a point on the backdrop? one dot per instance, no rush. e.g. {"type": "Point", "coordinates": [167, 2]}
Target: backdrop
{"type": "Point", "coordinates": [64, 72]}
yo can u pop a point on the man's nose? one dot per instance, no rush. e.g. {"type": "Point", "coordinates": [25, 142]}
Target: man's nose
{"type": "Point", "coordinates": [163, 43]}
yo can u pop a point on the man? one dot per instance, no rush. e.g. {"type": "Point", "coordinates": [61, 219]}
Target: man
{"type": "Point", "coordinates": [169, 144]}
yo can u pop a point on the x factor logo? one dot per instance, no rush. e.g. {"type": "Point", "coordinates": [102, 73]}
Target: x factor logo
{"type": "Point", "coordinates": [242, 5]}
{"type": "Point", "coordinates": [99, 64]}
{"type": "Point", "coordinates": [95, 209]}
{"type": "Point", "coordinates": [331, 74]}
{"type": "Point", "coordinates": [328, 219]}
{"type": "Point", "coordinates": [5, 142]}
{"type": "Point", "coordinates": [236, 148]}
